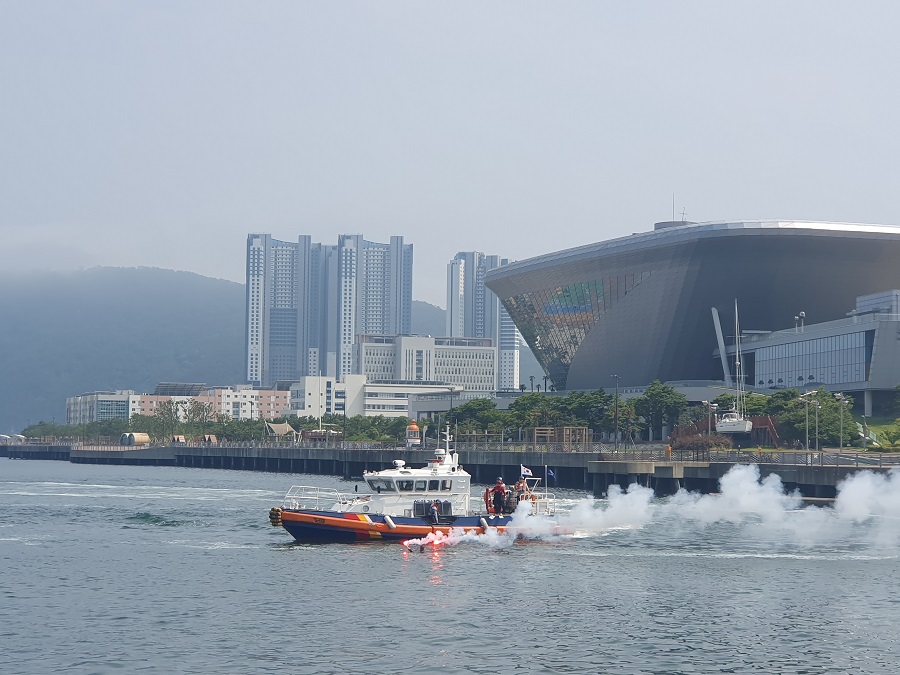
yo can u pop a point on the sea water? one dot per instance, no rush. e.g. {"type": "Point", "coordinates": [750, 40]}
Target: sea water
{"type": "Point", "coordinates": [164, 570]}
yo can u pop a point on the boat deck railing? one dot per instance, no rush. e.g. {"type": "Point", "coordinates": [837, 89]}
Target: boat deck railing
{"type": "Point", "coordinates": [317, 498]}
{"type": "Point", "coordinates": [543, 504]}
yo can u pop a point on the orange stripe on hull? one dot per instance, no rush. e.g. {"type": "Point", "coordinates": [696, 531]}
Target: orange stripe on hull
{"type": "Point", "coordinates": [363, 524]}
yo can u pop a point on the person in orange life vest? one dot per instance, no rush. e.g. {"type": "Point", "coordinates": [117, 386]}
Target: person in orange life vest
{"type": "Point", "coordinates": [499, 491]}
{"type": "Point", "coordinates": [521, 488]}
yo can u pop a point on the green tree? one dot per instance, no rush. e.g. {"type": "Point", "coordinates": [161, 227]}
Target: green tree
{"type": "Point", "coordinates": [475, 415]}
{"type": "Point", "coordinates": [198, 415]}
{"type": "Point", "coordinates": [659, 405]}
{"type": "Point", "coordinates": [169, 414]}
{"type": "Point", "coordinates": [588, 408]}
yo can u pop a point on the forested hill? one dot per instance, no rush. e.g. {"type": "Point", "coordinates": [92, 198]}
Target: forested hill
{"type": "Point", "coordinates": [121, 328]}
{"type": "Point", "coordinates": [112, 328]}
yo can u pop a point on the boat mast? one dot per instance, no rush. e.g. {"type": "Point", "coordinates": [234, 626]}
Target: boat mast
{"type": "Point", "coordinates": [738, 370]}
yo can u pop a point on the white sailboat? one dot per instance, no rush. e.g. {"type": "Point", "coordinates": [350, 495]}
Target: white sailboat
{"type": "Point", "coordinates": [733, 421]}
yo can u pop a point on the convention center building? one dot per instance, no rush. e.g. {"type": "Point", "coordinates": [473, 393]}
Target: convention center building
{"type": "Point", "coordinates": [816, 301]}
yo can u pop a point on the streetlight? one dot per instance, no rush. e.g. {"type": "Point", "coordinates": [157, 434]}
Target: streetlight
{"type": "Point", "coordinates": [843, 404]}
{"type": "Point", "coordinates": [805, 399]}
{"type": "Point", "coordinates": [616, 413]}
{"type": "Point", "coordinates": [802, 320]}
{"type": "Point", "coordinates": [710, 409]}
{"type": "Point", "coordinates": [818, 405]}
{"type": "Point", "coordinates": [865, 433]}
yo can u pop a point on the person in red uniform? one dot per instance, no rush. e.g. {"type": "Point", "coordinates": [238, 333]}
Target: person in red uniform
{"type": "Point", "coordinates": [499, 494]}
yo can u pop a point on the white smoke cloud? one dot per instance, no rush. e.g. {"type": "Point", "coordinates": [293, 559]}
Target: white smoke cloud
{"type": "Point", "coordinates": [865, 514]}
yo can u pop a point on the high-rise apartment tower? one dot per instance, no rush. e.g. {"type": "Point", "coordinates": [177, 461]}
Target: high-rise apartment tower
{"type": "Point", "coordinates": [307, 302]}
{"type": "Point", "coordinates": [474, 311]}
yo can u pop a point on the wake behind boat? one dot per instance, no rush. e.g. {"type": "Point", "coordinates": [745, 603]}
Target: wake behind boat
{"type": "Point", "coordinates": [406, 503]}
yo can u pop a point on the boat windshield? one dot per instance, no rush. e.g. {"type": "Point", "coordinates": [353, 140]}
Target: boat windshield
{"type": "Point", "coordinates": [381, 485]}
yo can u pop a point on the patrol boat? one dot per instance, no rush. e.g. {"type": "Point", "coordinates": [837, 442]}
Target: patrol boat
{"type": "Point", "coordinates": [402, 503]}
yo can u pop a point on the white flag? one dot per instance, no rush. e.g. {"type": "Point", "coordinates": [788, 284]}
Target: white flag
{"type": "Point", "coordinates": [525, 470]}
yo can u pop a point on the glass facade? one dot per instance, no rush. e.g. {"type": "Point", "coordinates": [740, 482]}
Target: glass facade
{"type": "Point", "coordinates": [838, 359]}
{"type": "Point", "coordinates": [555, 321]}
{"type": "Point", "coordinates": [112, 410]}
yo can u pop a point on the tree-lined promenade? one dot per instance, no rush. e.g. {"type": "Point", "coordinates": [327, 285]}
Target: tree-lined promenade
{"type": "Point", "coordinates": [660, 408]}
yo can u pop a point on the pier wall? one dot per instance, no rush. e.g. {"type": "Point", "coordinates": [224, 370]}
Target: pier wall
{"type": "Point", "coordinates": [581, 471]}
{"type": "Point", "coordinates": [666, 478]}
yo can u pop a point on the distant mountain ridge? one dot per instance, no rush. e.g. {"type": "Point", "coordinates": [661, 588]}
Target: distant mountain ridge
{"type": "Point", "coordinates": [112, 328]}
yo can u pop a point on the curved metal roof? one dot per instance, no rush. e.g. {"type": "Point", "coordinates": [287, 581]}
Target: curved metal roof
{"type": "Point", "coordinates": [674, 234]}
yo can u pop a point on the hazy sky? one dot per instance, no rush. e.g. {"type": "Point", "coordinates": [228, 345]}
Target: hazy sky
{"type": "Point", "coordinates": [161, 133]}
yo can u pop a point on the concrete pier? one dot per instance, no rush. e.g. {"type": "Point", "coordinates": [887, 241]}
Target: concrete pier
{"type": "Point", "coordinates": [815, 475]}
{"type": "Point", "coordinates": [667, 477]}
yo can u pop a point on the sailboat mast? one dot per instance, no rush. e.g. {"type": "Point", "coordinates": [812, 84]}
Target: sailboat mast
{"type": "Point", "coordinates": [738, 369]}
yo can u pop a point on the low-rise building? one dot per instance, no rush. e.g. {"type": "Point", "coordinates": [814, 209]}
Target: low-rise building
{"type": "Point", "coordinates": [320, 396]}
{"type": "Point", "coordinates": [99, 406]}
{"type": "Point", "coordinates": [238, 402]}
{"type": "Point", "coordinates": [467, 363]}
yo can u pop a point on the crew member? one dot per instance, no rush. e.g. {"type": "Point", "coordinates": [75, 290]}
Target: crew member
{"type": "Point", "coordinates": [435, 512]}
{"type": "Point", "coordinates": [499, 491]}
{"type": "Point", "coordinates": [521, 488]}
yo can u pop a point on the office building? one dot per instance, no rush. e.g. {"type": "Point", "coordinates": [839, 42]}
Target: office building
{"type": "Point", "coordinates": [318, 396]}
{"type": "Point", "coordinates": [640, 307]}
{"type": "Point", "coordinates": [469, 364]}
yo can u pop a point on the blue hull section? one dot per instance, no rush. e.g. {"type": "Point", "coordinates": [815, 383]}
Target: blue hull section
{"type": "Point", "coordinates": [330, 526]}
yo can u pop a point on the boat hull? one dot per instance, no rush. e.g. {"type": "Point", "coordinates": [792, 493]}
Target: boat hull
{"type": "Point", "coordinates": [739, 426]}
{"type": "Point", "coordinates": [333, 526]}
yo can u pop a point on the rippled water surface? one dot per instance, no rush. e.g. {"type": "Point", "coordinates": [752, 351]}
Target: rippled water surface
{"type": "Point", "coordinates": [158, 570]}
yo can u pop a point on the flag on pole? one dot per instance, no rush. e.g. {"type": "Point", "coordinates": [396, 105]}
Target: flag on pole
{"type": "Point", "coordinates": [551, 474]}
{"type": "Point", "coordinates": [525, 470]}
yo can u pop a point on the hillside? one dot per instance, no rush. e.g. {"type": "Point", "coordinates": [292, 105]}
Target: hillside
{"type": "Point", "coordinates": [122, 328]}
{"type": "Point", "coordinates": [112, 328]}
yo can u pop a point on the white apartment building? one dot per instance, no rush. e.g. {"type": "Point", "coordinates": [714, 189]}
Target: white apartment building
{"type": "Point", "coordinates": [307, 302]}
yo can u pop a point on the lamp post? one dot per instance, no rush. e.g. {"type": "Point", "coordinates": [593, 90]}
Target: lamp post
{"type": "Point", "coordinates": [616, 414]}
{"type": "Point", "coordinates": [818, 405]}
{"type": "Point", "coordinates": [451, 390]}
{"type": "Point", "coordinates": [710, 409]}
{"type": "Point", "coordinates": [708, 418]}
{"type": "Point", "coordinates": [805, 399]}
{"type": "Point", "coordinates": [865, 433]}
{"type": "Point", "coordinates": [843, 403]}
{"type": "Point", "coordinates": [802, 320]}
